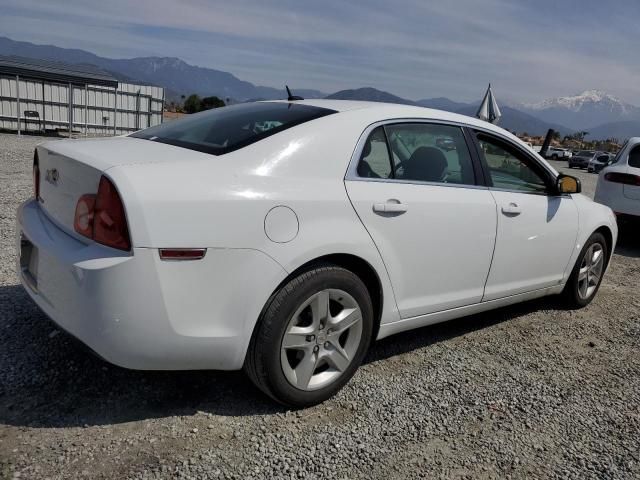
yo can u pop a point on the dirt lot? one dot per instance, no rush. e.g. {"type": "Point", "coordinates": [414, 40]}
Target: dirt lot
{"type": "Point", "coordinates": [527, 391]}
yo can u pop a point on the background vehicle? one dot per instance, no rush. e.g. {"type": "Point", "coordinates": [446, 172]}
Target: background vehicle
{"type": "Point", "coordinates": [582, 159]}
{"type": "Point", "coordinates": [599, 161]}
{"type": "Point", "coordinates": [618, 184]}
{"type": "Point", "coordinates": [284, 237]}
{"type": "Point", "coordinates": [557, 153]}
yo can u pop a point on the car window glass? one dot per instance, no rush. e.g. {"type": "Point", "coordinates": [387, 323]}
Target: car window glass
{"type": "Point", "coordinates": [430, 153]}
{"type": "Point", "coordinates": [223, 130]}
{"type": "Point", "coordinates": [634, 157]}
{"type": "Point", "coordinates": [508, 168]}
{"type": "Point", "coordinates": [374, 160]}
{"type": "Point", "coordinates": [617, 157]}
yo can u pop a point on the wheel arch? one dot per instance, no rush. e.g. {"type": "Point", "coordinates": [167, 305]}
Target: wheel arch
{"type": "Point", "coordinates": [608, 236]}
{"type": "Point", "coordinates": [355, 264]}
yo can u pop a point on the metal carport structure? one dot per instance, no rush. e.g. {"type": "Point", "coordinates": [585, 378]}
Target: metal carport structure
{"type": "Point", "coordinates": [76, 98]}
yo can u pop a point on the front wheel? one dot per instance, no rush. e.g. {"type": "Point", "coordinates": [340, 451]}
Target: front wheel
{"type": "Point", "coordinates": [587, 273]}
{"type": "Point", "coordinates": [312, 336]}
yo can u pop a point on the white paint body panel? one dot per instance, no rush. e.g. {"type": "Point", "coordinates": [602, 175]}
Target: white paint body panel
{"type": "Point", "coordinates": [140, 312]}
{"type": "Point", "coordinates": [620, 198]}
{"type": "Point", "coordinates": [533, 247]}
{"type": "Point", "coordinates": [438, 252]}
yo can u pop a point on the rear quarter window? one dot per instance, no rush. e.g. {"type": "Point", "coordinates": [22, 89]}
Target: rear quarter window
{"type": "Point", "coordinates": [634, 157]}
{"type": "Point", "coordinates": [223, 130]}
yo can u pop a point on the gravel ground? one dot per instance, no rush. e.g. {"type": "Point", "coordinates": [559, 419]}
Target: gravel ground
{"type": "Point", "coordinates": [526, 391]}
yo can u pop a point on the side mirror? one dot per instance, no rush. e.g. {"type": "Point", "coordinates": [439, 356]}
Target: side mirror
{"type": "Point", "coordinates": [568, 184]}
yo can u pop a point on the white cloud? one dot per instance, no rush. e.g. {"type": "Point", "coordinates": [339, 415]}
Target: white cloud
{"type": "Point", "coordinates": [412, 48]}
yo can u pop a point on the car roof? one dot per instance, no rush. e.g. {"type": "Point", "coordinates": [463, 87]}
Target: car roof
{"type": "Point", "coordinates": [381, 111]}
{"type": "Point", "coordinates": [386, 111]}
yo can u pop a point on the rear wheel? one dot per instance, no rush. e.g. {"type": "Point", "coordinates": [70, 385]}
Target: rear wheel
{"type": "Point", "coordinates": [312, 336]}
{"type": "Point", "coordinates": [587, 273]}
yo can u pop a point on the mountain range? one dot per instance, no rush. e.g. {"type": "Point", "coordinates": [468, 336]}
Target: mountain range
{"type": "Point", "coordinates": [512, 118]}
{"type": "Point", "coordinates": [579, 111]}
{"type": "Point", "coordinates": [600, 114]}
{"type": "Point", "coordinates": [177, 76]}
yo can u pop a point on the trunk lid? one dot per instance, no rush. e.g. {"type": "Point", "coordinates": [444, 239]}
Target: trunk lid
{"type": "Point", "coordinates": [63, 180]}
{"type": "Point", "coordinates": [72, 168]}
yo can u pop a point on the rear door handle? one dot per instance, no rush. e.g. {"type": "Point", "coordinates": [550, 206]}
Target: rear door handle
{"type": "Point", "coordinates": [512, 208]}
{"type": "Point", "coordinates": [390, 206]}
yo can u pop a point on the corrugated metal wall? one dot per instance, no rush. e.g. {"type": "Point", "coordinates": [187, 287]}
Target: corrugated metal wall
{"type": "Point", "coordinates": [93, 108]}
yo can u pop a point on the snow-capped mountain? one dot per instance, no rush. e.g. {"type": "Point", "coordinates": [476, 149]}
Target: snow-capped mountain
{"type": "Point", "coordinates": [577, 102]}
{"type": "Point", "coordinates": [585, 110]}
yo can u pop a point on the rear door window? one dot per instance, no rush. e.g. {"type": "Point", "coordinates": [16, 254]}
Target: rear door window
{"type": "Point", "coordinates": [226, 129]}
{"type": "Point", "coordinates": [434, 153]}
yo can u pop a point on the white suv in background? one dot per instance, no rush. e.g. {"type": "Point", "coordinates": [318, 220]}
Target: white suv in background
{"type": "Point", "coordinates": [619, 184]}
{"type": "Point", "coordinates": [558, 153]}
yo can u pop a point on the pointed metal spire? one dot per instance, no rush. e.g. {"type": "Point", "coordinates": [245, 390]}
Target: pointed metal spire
{"type": "Point", "coordinates": [489, 110]}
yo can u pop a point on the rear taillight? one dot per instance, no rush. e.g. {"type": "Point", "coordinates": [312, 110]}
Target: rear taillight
{"type": "Point", "coordinates": [102, 218]}
{"type": "Point", "coordinates": [109, 221]}
{"type": "Point", "coordinates": [36, 175]}
{"type": "Point", "coordinates": [624, 178]}
{"type": "Point", "coordinates": [83, 221]}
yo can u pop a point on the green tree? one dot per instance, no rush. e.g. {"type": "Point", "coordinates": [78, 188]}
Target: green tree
{"type": "Point", "coordinates": [193, 104]}
{"type": "Point", "coordinates": [211, 102]}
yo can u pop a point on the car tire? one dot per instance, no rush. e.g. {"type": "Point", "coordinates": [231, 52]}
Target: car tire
{"type": "Point", "coordinates": [320, 358]}
{"type": "Point", "coordinates": [554, 156]}
{"type": "Point", "coordinates": [580, 288]}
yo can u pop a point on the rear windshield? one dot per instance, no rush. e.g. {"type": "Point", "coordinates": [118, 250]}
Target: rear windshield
{"type": "Point", "coordinates": [586, 153]}
{"type": "Point", "coordinates": [226, 129]}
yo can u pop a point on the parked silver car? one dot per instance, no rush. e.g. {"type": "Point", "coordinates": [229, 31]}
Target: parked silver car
{"type": "Point", "coordinates": [598, 162]}
{"type": "Point", "coordinates": [582, 159]}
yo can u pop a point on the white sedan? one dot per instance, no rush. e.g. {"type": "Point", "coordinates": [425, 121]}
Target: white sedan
{"type": "Point", "coordinates": [284, 237]}
{"type": "Point", "coordinates": [618, 184]}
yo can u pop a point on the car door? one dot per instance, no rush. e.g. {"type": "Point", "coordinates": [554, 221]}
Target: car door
{"type": "Point", "coordinates": [433, 225]}
{"type": "Point", "coordinates": [537, 228]}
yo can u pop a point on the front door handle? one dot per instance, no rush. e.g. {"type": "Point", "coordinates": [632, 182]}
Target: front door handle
{"type": "Point", "coordinates": [512, 208]}
{"type": "Point", "coordinates": [390, 206]}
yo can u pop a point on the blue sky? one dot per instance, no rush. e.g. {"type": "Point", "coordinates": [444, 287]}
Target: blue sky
{"type": "Point", "coordinates": [528, 50]}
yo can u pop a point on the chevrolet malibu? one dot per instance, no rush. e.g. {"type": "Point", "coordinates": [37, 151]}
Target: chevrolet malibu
{"type": "Point", "coordinates": [284, 237]}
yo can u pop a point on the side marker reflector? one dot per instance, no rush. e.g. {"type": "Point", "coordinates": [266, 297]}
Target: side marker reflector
{"type": "Point", "coordinates": [182, 253]}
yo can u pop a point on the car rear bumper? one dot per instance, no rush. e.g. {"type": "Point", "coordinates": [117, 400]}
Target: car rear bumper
{"type": "Point", "coordinates": [137, 311]}
{"type": "Point", "coordinates": [612, 196]}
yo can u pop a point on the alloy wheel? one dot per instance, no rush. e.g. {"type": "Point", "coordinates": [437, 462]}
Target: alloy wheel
{"type": "Point", "coordinates": [321, 339]}
{"type": "Point", "coordinates": [590, 271]}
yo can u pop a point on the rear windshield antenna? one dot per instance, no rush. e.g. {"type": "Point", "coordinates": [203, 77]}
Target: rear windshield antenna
{"type": "Point", "coordinates": [290, 97]}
